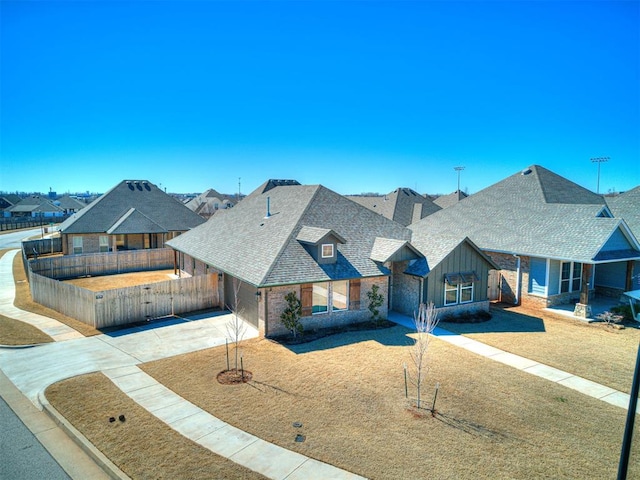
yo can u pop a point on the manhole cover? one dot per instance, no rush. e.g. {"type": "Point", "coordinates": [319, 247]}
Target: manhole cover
{"type": "Point", "coordinates": [297, 424]}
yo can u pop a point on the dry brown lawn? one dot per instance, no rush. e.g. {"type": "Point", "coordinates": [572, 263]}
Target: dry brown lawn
{"type": "Point", "coordinates": [590, 350]}
{"type": "Point", "coordinates": [123, 280]}
{"type": "Point", "coordinates": [15, 332]}
{"type": "Point", "coordinates": [25, 302]}
{"type": "Point", "coordinates": [142, 446]}
{"type": "Point", "coordinates": [347, 390]}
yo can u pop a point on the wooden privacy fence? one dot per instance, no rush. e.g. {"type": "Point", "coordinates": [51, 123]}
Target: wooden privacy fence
{"type": "Point", "coordinates": [121, 306]}
{"type": "Point", "coordinates": [43, 246]}
{"type": "Point", "coordinates": [95, 264]}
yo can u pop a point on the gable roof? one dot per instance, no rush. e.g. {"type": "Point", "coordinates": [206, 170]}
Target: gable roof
{"type": "Point", "coordinates": [273, 183]}
{"type": "Point", "coordinates": [403, 205]}
{"type": "Point", "coordinates": [69, 203]}
{"type": "Point", "coordinates": [34, 203]}
{"type": "Point", "coordinates": [435, 248]}
{"type": "Point", "coordinates": [627, 206]}
{"type": "Point", "coordinates": [132, 206]}
{"type": "Point", "coordinates": [266, 251]}
{"type": "Point", "coordinates": [534, 212]}
{"type": "Point", "coordinates": [205, 203]}
{"type": "Point", "coordinates": [389, 249]}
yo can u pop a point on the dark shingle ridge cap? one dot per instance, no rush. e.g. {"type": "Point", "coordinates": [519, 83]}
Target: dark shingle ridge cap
{"type": "Point", "coordinates": [294, 231]}
{"type": "Point", "coordinates": [558, 189]}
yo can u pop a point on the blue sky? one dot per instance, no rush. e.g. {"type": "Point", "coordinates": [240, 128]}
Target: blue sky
{"type": "Point", "coordinates": [358, 96]}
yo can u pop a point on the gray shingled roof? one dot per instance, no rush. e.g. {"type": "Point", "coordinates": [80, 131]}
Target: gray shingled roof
{"type": "Point", "coordinates": [315, 235]}
{"type": "Point", "coordinates": [34, 203]}
{"type": "Point", "coordinates": [627, 206]}
{"type": "Point", "coordinates": [534, 212]}
{"type": "Point", "coordinates": [403, 205]}
{"type": "Point", "coordinates": [150, 203]}
{"type": "Point", "coordinates": [435, 248]}
{"type": "Point", "coordinates": [266, 251]}
{"type": "Point", "coordinates": [445, 201]}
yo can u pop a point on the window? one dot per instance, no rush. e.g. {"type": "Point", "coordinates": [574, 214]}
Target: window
{"type": "Point", "coordinates": [570, 277]}
{"type": "Point", "coordinates": [340, 295]}
{"type": "Point", "coordinates": [119, 241]}
{"type": "Point", "coordinates": [321, 295]}
{"type": "Point", "coordinates": [466, 292]}
{"type": "Point", "coordinates": [320, 298]}
{"type": "Point", "coordinates": [450, 294]}
{"type": "Point", "coordinates": [104, 243]}
{"type": "Point", "coordinates": [458, 287]}
{"type": "Point", "coordinates": [77, 245]}
{"type": "Point", "coordinates": [327, 250]}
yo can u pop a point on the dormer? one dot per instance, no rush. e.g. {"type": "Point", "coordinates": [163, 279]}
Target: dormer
{"type": "Point", "coordinates": [321, 243]}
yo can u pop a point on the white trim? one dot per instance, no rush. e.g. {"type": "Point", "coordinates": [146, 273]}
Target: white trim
{"type": "Point", "coordinates": [322, 250]}
{"type": "Point", "coordinates": [547, 278]}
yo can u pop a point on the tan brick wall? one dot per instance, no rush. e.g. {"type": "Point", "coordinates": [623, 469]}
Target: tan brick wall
{"type": "Point", "coordinates": [276, 304]}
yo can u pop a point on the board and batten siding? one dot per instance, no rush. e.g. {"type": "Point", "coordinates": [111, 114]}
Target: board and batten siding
{"type": "Point", "coordinates": [538, 276]}
{"type": "Point", "coordinates": [617, 241]}
{"type": "Point", "coordinates": [462, 259]}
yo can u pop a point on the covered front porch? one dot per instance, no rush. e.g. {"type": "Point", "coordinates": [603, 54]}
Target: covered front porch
{"type": "Point", "coordinates": [598, 304]}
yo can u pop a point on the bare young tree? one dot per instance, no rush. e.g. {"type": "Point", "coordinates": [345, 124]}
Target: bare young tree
{"type": "Point", "coordinates": [425, 321]}
{"type": "Point", "coordinates": [236, 328]}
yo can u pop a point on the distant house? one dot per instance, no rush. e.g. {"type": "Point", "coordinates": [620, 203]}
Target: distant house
{"type": "Point", "coordinates": [208, 203]}
{"type": "Point", "coordinates": [445, 201]}
{"type": "Point", "coordinates": [330, 251]}
{"type": "Point", "coordinates": [69, 204]}
{"type": "Point", "coordinates": [8, 200]}
{"type": "Point", "coordinates": [554, 241]}
{"type": "Point", "coordinates": [403, 205]}
{"type": "Point", "coordinates": [34, 206]}
{"type": "Point", "coordinates": [135, 214]}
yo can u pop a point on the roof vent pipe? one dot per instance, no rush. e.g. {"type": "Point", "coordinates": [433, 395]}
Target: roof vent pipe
{"type": "Point", "coordinates": [268, 208]}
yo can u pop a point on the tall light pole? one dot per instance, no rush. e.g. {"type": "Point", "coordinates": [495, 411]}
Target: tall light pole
{"type": "Point", "coordinates": [599, 160]}
{"type": "Point", "coordinates": [458, 169]}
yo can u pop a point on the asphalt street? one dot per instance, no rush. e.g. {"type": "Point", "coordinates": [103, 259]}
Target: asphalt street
{"type": "Point", "coordinates": [15, 441]}
{"type": "Point", "coordinates": [14, 239]}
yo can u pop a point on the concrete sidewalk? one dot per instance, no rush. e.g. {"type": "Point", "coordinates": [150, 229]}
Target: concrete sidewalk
{"type": "Point", "coordinates": [56, 330]}
{"type": "Point", "coordinates": [116, 355]}
{"type": "Point", "coordinates": [582, 385]}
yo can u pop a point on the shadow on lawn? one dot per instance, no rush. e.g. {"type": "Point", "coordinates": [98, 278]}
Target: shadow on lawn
{"type": "Point", "coordinates": [391, 335]}
{"type": "Point", "coordinates": [502, 321]}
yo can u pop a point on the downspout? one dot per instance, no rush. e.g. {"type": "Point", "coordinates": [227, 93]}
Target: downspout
{"type": "Point", "coordinates": [517, 299]}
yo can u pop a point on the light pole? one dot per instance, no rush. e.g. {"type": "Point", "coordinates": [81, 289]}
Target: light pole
{"type": "Point", "coordinates": [599, 160]}
{"type": "Point", "coordinates": [458, 169]}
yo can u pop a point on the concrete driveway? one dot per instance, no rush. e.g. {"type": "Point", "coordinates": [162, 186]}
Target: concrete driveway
{"type": "Point", "coordinates": [34, 369]}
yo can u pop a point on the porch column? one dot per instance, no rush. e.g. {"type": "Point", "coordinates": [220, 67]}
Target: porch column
{"type": "Point", "coordinates": [583, 309]}
{"type": "Point", "coordinates": [586, 278]}
{"type": "Point", "coordinates": [628, 283]}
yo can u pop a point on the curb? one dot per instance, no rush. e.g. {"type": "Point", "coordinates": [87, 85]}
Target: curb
{"type": "Point", "coordinates": [17, 347]}
{"type": "Point", "coordinates": [79, 439]}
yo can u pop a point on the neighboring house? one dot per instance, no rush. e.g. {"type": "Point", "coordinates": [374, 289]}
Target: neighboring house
{"type": "Point", "coordinates": [208, 203]}
{"type": "Point", "coordinates": [627, 206]}
{"type": "Point", "coordinates": [403, 205]}
{"type": "Point", "coordinates": [286, 237]}
{"type": "Point", "coordinates": [9, 200]}
{"type": "Point", "coordinates": [69, 204]}
{"type": "Point", "coordinates": [553, 240]}
{"type": "Point", "coordinates": [34, 206]}
{"type": "Point", "coordinates": [445, 201]}
{"type": "Point", "coordinates": [135, 214]}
